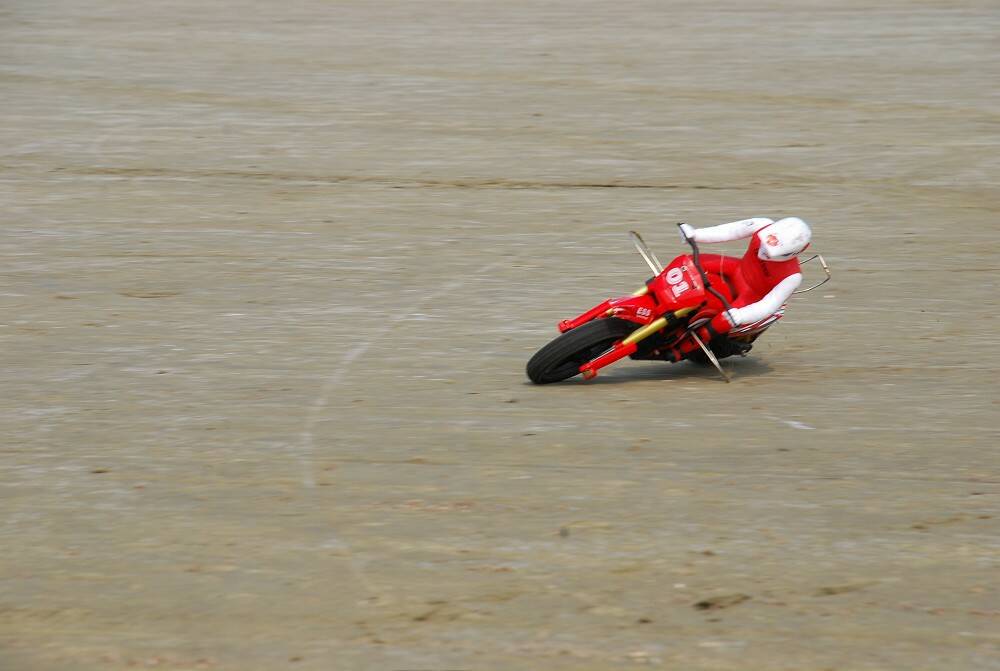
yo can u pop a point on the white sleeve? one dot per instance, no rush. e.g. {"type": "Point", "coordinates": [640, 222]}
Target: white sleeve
{"type": "Point", "coordinates": [767, 305]}
{"type": "Point", "coordinates": [735, 230]}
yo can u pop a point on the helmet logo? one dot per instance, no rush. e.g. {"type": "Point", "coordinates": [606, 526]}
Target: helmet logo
{"type": "Point", "coordinates": [772, 240]}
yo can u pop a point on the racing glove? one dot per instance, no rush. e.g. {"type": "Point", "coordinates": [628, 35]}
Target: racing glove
{"type": "Point", "coordinates": [687, 232]}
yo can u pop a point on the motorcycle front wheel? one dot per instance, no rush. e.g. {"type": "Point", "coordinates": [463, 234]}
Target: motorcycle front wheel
{"type": "Point", "coordinates": [561, 359]}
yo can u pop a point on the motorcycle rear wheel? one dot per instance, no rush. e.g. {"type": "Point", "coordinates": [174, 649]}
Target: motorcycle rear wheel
{"type": "Point", "coordinates": [561, 359]}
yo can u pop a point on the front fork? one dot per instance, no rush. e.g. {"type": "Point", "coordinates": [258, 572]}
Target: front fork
{"type": "Point", "coordinates": [630, 344]}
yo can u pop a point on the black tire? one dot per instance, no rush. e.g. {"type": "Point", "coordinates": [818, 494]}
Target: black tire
{"type": "Point", "coordinates": [561, 359]}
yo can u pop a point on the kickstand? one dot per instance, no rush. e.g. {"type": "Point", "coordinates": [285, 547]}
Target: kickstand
{"type": "Point", "coordinates": [711, 356]}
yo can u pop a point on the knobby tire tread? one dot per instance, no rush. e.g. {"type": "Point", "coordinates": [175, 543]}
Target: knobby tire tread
{"type": "Point", "coordinates": [561, 359]}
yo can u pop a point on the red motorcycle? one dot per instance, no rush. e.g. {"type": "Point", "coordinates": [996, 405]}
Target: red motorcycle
{"type": "Point", "coordinates": [648, 323]}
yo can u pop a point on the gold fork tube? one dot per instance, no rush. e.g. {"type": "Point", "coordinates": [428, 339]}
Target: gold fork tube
{"type": "Point", "coordinates": [645, 331]}
{"type": "Point", "coordinates": [652, 327]}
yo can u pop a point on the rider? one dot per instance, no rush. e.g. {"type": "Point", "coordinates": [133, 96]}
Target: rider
{"type": "Point", "coordinates": [760, 282]}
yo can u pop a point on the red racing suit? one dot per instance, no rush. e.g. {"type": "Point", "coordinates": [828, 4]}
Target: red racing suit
{"type": "Point", "coordinates": [759, 287]}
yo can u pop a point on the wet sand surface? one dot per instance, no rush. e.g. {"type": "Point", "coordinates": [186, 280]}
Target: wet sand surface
{"type": "Point", "coordinates": [271, 272]}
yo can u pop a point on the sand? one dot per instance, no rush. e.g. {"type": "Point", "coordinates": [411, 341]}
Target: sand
{"type": "Point", "coordinates": [270, 273]}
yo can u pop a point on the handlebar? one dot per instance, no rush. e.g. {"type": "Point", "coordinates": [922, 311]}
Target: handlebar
{"type": "Point", "coordinates": [696, 255]}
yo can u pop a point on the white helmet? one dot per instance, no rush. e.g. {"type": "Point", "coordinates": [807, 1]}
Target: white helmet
{"type": "Point", "coordinates": [783, 239]}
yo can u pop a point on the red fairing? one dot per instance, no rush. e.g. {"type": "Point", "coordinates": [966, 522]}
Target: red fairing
{"type": "Point", "coordinates": [678, 286]}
